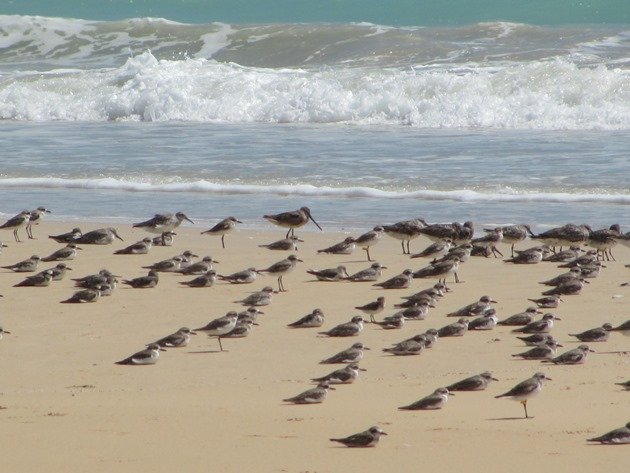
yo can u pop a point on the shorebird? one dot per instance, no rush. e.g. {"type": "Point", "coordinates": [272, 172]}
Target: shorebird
{"type": "Point", "coordinates": [314, 319]}
{"type": "Point", "coordinates": [345, 375]}
{"type": "Point", "coordinates": [205, 280]}
{"type": "Point", "coordinates": [513, 234]}
{"type": "Point", "coordinates": [68, 237]}
{"type": "Point", "coordinates": [368, 438]}
{"type": "Point", "coordinates": [525, 390]}
{"type": "Point", "coordinates": [36, 216]}
{"type": "Point", "coordinates": [292, 220]}
{"type": "Point", "coordinates": [240, 277]}
{"type": "Point", "coordinates": [401, 281]}
{"type": "Point", "coordinates": [286, 244]}
{"type": "Point", "coordinates": [564, 256]}
{"type": "Point", "coordinates": [84, 295]}
{"type": "Point", "coordinates": [251, 313]}
{"type": "Point", "coordinates": [405, 231]}
{"type": "Point", "coordinates": [522, 318]}
{"type": "Point", "coordinates": [141, 247]}
{"type": "Point", "coordinates": [490, 241]}
{"type": "Point", "coordinates": [458, 329]}
{"type": "Point", "coordinates": [614, 437]}
{"type": "Point", "coordinates": [220, 326]}
{"type": "Point", "coordinates": [435, 250]}
{"type": "Point", "coordinates": [625, 385]}
{"type": "Point", "coordinates": [586, 259]}
{"type": "Point", "coordinates": [58, 272]}
{"type": "Point", "coordinates": [563, 278]}
{"type": "Point", "coordinates": [440, 269]}
{"type": "Point", "coordinates": [549, 302]}
{"type": "Point", "coordinates": [171, 265]}
{"type": "Point", "coordinates": [259, 298]}
{"type": "Point", "coordinates": [624, 328]}
{"type": "Point", "coordinates": [222, 228]}
{"type": "Point", "coordinates": [242, 329]}
{"type": "Point", "coordinates": [542, 351]}
{"type": "Point", "coordinates": [543, 325]}
{"type": "Point", "coordinates": [392, 322]}
{"type": "Point", "coordinates": [577, 356]}
{"type": "Point", "coordinates": [474, 309]}
{"type": "Point", "coordinates": [348, 329]}
{"type": "Point", "coordinates": [314, 395]}
{"type": "Point", "coordinates": [433, 401]}
{"type": "Point", "coordinates": [418, 310]}
{"type": "Point", "coordinates": [566, 235]}
{"type": "Point", "coordinates": [373, 308]}
{"type": "Point", "coordinates": [568, 288]}
{"type": "Point", "coordinates": [2, 332]}
{"type": "Point", "coordinates": [144, 282]}
{"type": "Point", "coordinates": [598, 334]}
{"type": "Point", "coordinates": [441, 231]}
{"type": "Point", "coordinates": [162, 223]}
{"type": "Point", "coordinates": [411, 346]}
{"type": "Point", "coordinates": [330, 274]}
{"type": "Point", "coordinates": [102, 236]}
{"type": "Point", "coordinates": [604, 241]}
{"type": "Point", "coordinates": [373, 273]}
{"type": "Point", "coordinates": [181, 338]}
{"type": "Point", "coordinates": [26, 266]}
{"type": "Point", "coordinates": [346, 247]}
{"type": "Point", "coordinates": [369, 239]}
{"type": "Point", "coordinates": [68, 252]}
{"type": "Point", "coordinates": [461, 252]}
{"type": "Point", "coordinates": [17, 222]}
{"type": "Point", "coordinates": [166, 239]}
{"type": "Point", "coordinates": [479, 382]}
{"type": "Point", "coordinates": [42, 279]}
{"type": "Point", "coordinates": [486, 322]}
{"type": "Point", "coordinates": [537, 338]}
{"type": "Point", "coordinates": [281, 268]}
{"type": "Point", "coordinates": [530, 256]}
{"type": "Point", "coordinates": [354, 354]}
{"type": "Point", "coordinates": [198, 268]}
{"type": "Point", "coordinates": [148, 356]}
{"type": "Point", "coordinates": [94, 281]}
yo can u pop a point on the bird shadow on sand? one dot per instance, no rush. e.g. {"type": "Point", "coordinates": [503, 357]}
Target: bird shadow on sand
{"type": "Point", "coordinates": [200, 352]}
{"type": "Point", "coordinates": [511, 418]}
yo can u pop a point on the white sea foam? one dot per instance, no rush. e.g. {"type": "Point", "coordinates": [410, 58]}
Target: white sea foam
{"type": "Point", "coordinates": [306, 190]}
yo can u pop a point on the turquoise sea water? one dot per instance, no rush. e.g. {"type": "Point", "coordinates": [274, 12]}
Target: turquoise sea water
{"type": "Point", "coordinates": [502, 112]}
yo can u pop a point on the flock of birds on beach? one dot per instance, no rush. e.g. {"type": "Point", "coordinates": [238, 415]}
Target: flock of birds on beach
{"type": "Point", "coordinates": [452, 245]}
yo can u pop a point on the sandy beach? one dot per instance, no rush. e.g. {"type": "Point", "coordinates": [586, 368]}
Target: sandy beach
{"type": "Point", "coordinates": [66, 407]}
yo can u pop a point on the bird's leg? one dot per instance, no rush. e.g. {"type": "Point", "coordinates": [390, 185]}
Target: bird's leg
{"type": "Point", "coordinates": [223, 241]}
{"type": "Point", "coordinates": [525, 406]}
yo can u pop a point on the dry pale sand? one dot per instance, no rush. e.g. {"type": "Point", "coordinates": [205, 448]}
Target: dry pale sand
{"type": "Point", "coordinates": [67, 407]}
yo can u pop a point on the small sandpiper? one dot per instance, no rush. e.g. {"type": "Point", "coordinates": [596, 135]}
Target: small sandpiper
{"type": "Point", "coordinates": [42, 279]}
{"type": "Point", "coordinates": [419, 310]}
{"type": "Point", "coordinates": [148, 356]}
{"type": "Point", "coordinates": [564, 256]}
{"type": "Point", "coordinates": [458, 329]}
{"type": "Point", "coordinates": [543, 325]}
{"type": "Point", "coordinates": [26, 266]}
{"type": "Point", "coordinates": [400, 281]}
{"type": "Point", "coordinates": [536, 339]}
{"type": "Point", "coordinates": [474, 309]}
{"type": "Point", "coordinates": [405, 231]}
{"type": "Point", "coordinates": [181, 338]}
{"type": "Point", "coordinates": [222, 228]}
{"type": "Point", "coordinates": [614, 437]}
{"type": "Point", "coordinates": [563, 278]}
{"type": "Point", "coordinates": [598, 334]}
{"type": "Point", "coordinates": [624, 328]}
{"type": "Point", "coordinates": [171, 265]}
{"type": "Point", "coordinates": [346, 247]}
{"type": "Point", "coordinates": [198, 268]}
{"type": "Point", "coordinates": [84, 295]}
{"type": "Point", "coordinates": [166, 239]}
{"type": "Point", "coordinates": [67, 253]}
{"type": "Point", "coordinates": [220, 326]}
{"type": "Point", "coordinates": [314, 319]}
{"type": "Point", "coordinates": [525, 390]}
{"type": "Point", "coordinates": [477, 382]}
{"type": "Point", "coordinates": [522, 318]}
{"type": "Point", "coordinates": [440, 269]}
{"type": "Point", "coordinates": [513, 234]}
{"type": "Point", "coordinates": [542, 351]}
{"type": "Point", "coordinates": [245, 276]}
{"type": "Point", "coordinates": [59, 271]}
{"type": "Point", "coordinates": [412, 346]}
{"type": "Point", "coordinates": [68, 237]}
{"type": "Point", "coordinates": [373, 308]}
{"type": "Point", "coordinates": [490, 241]}
{"type": "Point", "coordinates": [144, 282]}
{"type": "Point", "coordinates": [36, 216]}
{"type": "Point", "coordinates": [162, 223]}
{"type": "Point", "coordinates": [391, 322]}
{"type": "Point", "coordinates": [354, 354]}
{"type": "Point", "coordinates": [368, 438]}
{"type": "Point", "coordinates": [345, 375]}
{"type": "Point", "coordinates": [433, 401]}
{"type": "Point", "coordinates": [141, 247]}
{"type": "Point", "coordinates": [548, 302]}
{"type": "Point", "coordinates": [531, 256]}
{"type": "Point", "coordinates": [292, 220]}
{"type": "Point", "coordinates": [486, 322]}
{"type": "Point", "coordinates": [205, 280]}
{"type": "Point", "coordinates": [577, 356]}
{"type": "Point", "coordinates": [435, 250]}
{"type": "Point", "coordinates": [314, 395]}
{"type": "Point", "coordinates": [568, 288]}
{"type": "Point", "coordinates": [348, 329]}
{"type": "Point", "coordinates": [17, 222]}
{"type": "Point", "coordinates": [257, 299]}
{"type": "Point", "coordinates": [373, 273]}
{"type": "Point", "coordinates": [281, 268]}
{"type": "Point", "coordinates": [286, 244]}
{"type": "Point", "coordinates": [369, 239]}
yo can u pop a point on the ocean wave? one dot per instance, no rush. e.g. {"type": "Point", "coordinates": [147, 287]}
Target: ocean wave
{"type": "Point", "coordinates": [551, 95]}
{"type": "Point", "coordinates": [305, 190]}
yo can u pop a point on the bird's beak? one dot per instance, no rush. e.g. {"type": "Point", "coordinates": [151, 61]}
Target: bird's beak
{"type": "Point", "coordinates": [238, 221]}
{"type": "Point", "coordinates": [162, 349]}
{"type": "Point", "coordinates": [366, 348]}
{"type": "Point", "coordinates": [186, 218]}
{"type": "Point", "coordinates": [313, 220]}
{"type": "Point", "coordinates": [494, 379]}
{"type": "Point", "coordinates": [558, 345]}
{"type": "Point", "coordinates": [363, 369]}
{"type": "Point", "coordinates": [193, 333]}
{"type": "Point", "coordinates": [116, 235]}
